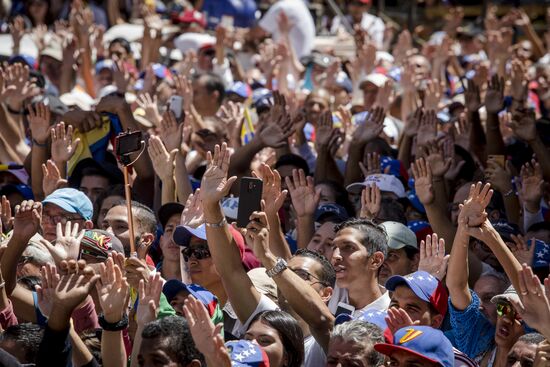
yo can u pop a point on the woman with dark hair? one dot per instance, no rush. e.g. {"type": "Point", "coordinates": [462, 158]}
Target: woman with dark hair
{"type": "Point", "coordinates": [280, 336]}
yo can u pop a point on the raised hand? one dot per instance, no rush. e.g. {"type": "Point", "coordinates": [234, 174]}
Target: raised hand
{"type": "Point", "coordinates": [531, 187]}
{"type": "Point", "coordinates": [28, 220]}
{"type": "Point", "coordinates": [75, 284]}
{"type": "Point", "coordinates": [6, 219]}
{"type": "Point", "coordinates": [193, 216]}
{"type": "Point", "coordinates": [17, 31]}
{"type": "Point", "coordinates": [215, 185]}
{"type": "Point", "coordinates": [463, 129]}
{"type": "Point", "coordinates": [499, 177]}
{"type": "Point", "coordinates": [44, 291]}
{"type": "Point", "coordinates": [523, 253]}
{"type": "Point", "coordinates": [184, 88]}
{"type": "Point", "coordinates": [372, 164]}
{"type": "Point", "coordinates": [38, 35]}
{"type": "Point", "coordinates": [51, 178]}
{"type": "Point", "coordinates": [423, 181]}
{"type": "Point", "coordinates": [324, 131]}
{"type": "Point", "coordinates": [371, 202]}
{"type": "Point", "coordinates": [275, 133]}
{"type": "Point", "coordinates": [17, 80]}
{"type": "Point", "coordinates": [39, 122]}
{"type": "Point", "coordinates": [272, 195]}
{"type": "Point", "coordinates": [384, 95]}
{"type": "Point", "coordinates": [542, 358]}
{"type": "Point", "coordinates": [113, 291]}
{"type": "Point", "coordinates": [303, 194]}
{"type": "Point", "coordinates": [257, 234]}
{"type": "Point", "coordinates": [413, 122]}
{"type": "Point", "coordinates": [472, 213]}
{"type": "Point", "coordinates": [494, 97]}
{"type": "Point", "coordinates": [399, 318]}
{"type": "Point", "coordinates": [519, 82]}
{"type": "Point", "coordinates": [205, 334]}
{"type": "Point", "coordinates": [163, 161]}
{"type": "Point", "coordinates": [150, 107]}
{"type": "Point", "coordinates": [427, 131]}
{"type": "Point", "coordinates": [534, 307]}
{"type": "Point", "coordinates": [67, 244]}
{"type": "Point", "coordinates": [433, 94]}
{"type": "Point", "coordinates": [232, 116]}
{"type": "Point", "coordinates": [372, 127]}
{"type": "Point", "coordinates": [170, 131]}
{"type": "Point", "coordinates": [149, 299]}
{"type": "Point", "coordinates": [523, 124]}
{"type": "Point", "coordinates": [432, 256]}
{"type": "Point", "coordinates": [434, 155]}
{"type": "Point", "coordinates": [472, 97]}
{"type": "Point", "coordinates": [63, 146]}
{"type": "Point", "coordinates": [121, 76]}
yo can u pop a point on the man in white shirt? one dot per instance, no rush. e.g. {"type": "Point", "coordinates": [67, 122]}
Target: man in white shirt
{"type": "Point", "coordinates": [358, 14]}
{"type": "Point", "coordinates": [302, 27]}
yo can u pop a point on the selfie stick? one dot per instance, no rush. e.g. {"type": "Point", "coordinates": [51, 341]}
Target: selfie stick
{"type": "Point", "coordinates": [125, 161]}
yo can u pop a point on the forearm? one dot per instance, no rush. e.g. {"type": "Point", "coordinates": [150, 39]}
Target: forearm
{"type": "Point", "coordinates": [538, 46]}
{"type": "Point", "coordinates": [80, 354]}
{"type": "Point", "coordinates": [353, 173]}
{"type": "Point", "coordinates": [39, 156]}
{"type": "Point", "coordinates": [304, 300]}
{"type": "Point", "coordinates": [404, 152]}
{"type": "Point", "coordinates": [477, 136]}
{"type": "Point", "coordinates": [505, 257]}
{"type": "Point", "coordinates": [305, 229]}
{"type": "Point", "coordinates": [457, 271]}
{"type": "Point", "coordinates": [13, 252]}
{"type": "Point", "coordinates": [86, 70]}
{"type": "Point", "coordinates": [441, 224]}
{"type": "Point", "coordinates": [326, 168]}
{"type": "Point", "coordinates": [277, 242]}
{"type": "Point", "coordinates": [512, 208]}
{"type": "Point", "coordinates": [168, 192]}
{"type": "Point", "coordinates": [136, 346]}
{"type": "Point", "coordinates": [495, 142]}
{"type": "Point", "coordinates": [183, 185]}
{"type": "Point", "coordinates": [542, 156]}
{"type": "Point", "coordinates": [440, 192]}
{"type": "Point", "coordinates": [240, 160]}
{"type": "Point", "coordinates": [112, 349]}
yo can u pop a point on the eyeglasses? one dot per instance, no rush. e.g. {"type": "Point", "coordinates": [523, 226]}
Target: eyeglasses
{"type": "Point", "coordinates": [63, 219]}
{"type": "Point", "coordinates": [508, 310]}
{"type": "Point", "coordinates": [201, 252]}
{"type": "Point", "coordinates": [25, 259]}
{"type": "Point", "coordinates": [307, 276]}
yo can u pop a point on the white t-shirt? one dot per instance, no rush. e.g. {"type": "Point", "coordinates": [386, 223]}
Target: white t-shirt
{"type": "Point", "coordinates": [302, 33]}
{"type": "Point", "coordinates": [373, 25]}
{"type": "Point", "coordinates": [314, 355]}
{"type": "Point", "coordinates": [238, 329]}
{"type": "Point", "coordinates": [341, 295]}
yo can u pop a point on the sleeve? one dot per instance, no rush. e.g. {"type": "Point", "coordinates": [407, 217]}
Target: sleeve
{"type": "Point", "coordinates": [531, 218]}
{"type": "Point", "coordinates": [265, 304]}
{"type": "Point", "coordinates": [85, 317]}
{"type": "Point", "coordinates": [473, 334]}
{"type": "Point", "coordinates": [307, 153]}
{"type": "Point", "coordinates": [7, 317]}
{"type": "Point", "coordinates": [269, 20]}
{"type": "Point", "coordinates": [224, 72]}
{"type": "Point", "coordinates": [55, 349]}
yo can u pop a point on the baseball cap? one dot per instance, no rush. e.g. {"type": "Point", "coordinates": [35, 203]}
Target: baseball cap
{"type": "Point", "coordinates": [396, 167]}
{"type": "Point", "coordinates": [23, 190]}
{"type": "Point", "coordinates": [399, 235]}
{"type": "Point", "coordinates": [167, 210]}
{"type": "Point", "coordinates": [509, 294]}
{"type": "Point", "coordinates": [344, 82]}
{"type": "Point", "coordinates": [371, 315]}
{"type": "Point", "coordinates": [25, 59]}
{"type": "Point", "coordinates": [425, 286]}
{"type": "Point", "coordinates": [384, 182]}
{"type": "Point", "coordinates": [16, 170]}
{"type": "Point", "coordinates": [239, 88]}
{"type": "Point", "coordinates": [420, 228]}
{"type": "Point", "coordinates": [317, 58]}
{"type": "Point", "coordinates": [182, 234]}
{"type": "Point", "coordinates": [415, 201]}
{"type": "Point", "coordinates": [506, 230]}
{"type": "Point", "coordinates": [263, 283]}
{"type": "Point", "coordinates": [244, 353]}
{"type": "Point", "coordinates": [100, 243]}
{"type": "Point", "coordinates": [104, 64]}
{"type": "Point", "coordinates": [71, 200]}
{"type": "Point", "coordinates": [377, 79]}
{"type": "Point", "coordinates": [172, 287]}
{"type": "Point", "coordinates": [193, 41]}
{"type": "Point", "coordinates": [192, 16]}
{"type": "Point", "coordinates": [330, 210]}
{"type": "Point", "coordinates": [422, 341]}
{"type": "Point", "coordinates": [53, 50]}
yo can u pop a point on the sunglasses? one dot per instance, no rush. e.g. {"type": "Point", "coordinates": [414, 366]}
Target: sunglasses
{"type": "Point", "coordinates": [508, 310]}
{"type": "Point", "coordinates": [201, 252]}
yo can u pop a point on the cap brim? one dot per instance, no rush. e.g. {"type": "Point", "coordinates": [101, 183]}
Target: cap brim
{"type": "Point", "coordinates": [172, 287]}
{"type": "Point", "coordinates": [355, 188]}
{"type": "Point", "coordinates": [396, 280]}
{"type": "Point", "coordinates": [505, 298]}
{"type": "Point", "coordinates": [62, 204]}
{"type": "Point", "coordinates": [182, 234]}
{"type": "Point", "coordinates": [388, 349]}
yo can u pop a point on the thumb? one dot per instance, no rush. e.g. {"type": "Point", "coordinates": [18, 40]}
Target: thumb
{"type": "Point", "coordinates": [228, 185]}
{"type": "Point", "coordinates": [173, 155]}
{"type": "Point", "coordinates": [75, 144]}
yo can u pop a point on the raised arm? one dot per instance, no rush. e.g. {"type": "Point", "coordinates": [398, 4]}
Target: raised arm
{"type": "Point", "coordinates": [214, 186]}
{"type": "Point", "coordinates": [494, 102]}
{"type": "Point", "coordinates": [163, 163]}
{"type": "Point", "coordinates": [305, 199]}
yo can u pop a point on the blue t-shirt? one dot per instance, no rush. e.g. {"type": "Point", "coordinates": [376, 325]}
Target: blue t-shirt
{"type": "Point", "coordinates": [472, 333]}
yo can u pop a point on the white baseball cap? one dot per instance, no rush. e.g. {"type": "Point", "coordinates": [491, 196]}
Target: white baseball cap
{"type": "Point", "coordinates": [385, 182]}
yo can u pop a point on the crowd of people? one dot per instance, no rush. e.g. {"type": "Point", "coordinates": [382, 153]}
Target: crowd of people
{"type": "Point", "coordinates": [404, 217]}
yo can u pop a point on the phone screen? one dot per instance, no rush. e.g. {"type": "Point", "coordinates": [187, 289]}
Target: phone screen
{"type": "Point", "coordinates": [127, 143]}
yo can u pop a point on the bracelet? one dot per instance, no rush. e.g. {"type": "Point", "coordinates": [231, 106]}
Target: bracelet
{"type": "Point", "coordinates": [509, 193]}
{"type": "Point", "coordinates": [41, 145]}
{"type": "Point", "coordinates": [116, 326]}
{"type": "Point", "coordinates": [13, 112]}
{"type": "Point", "coordinates": [221, 224]}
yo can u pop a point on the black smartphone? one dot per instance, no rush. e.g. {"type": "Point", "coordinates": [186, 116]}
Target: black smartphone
{"type": "Point", "coordinates": [128, 142]}
{"type": "Point", "coordinates": [250, 198]}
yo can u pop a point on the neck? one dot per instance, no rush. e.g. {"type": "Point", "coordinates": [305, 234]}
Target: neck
{"type": "Point", "coordinates": [501, 357]}
{"type": "Point", "coordinates": [219, 291]}
{"type": "Point", "coordinates": [361, 294]}
{"type": "Point", "coordinates": [171, 269]}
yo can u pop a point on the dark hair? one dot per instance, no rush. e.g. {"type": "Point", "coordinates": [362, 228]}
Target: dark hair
{"type": "Point", "coordinates": [392, 210]}
{"type": "Point", "coordinates": [27, 337]}
{"type": "Point", "coordinates": [531, 338]}
{"type": "Point", "coordinates": [327, 275]}
{"type": "Point", "coordinates": [374, 237]}
{"type": "Point", "coordinates": [123, 42]}
{"type": "Point", "coordinates": [539, 226]}
{"type": "Point", "coordinates": [30, 281]}
{"type": "Point", "coordinates": [213, 83]}
{"type": "Point", "coordinates": [340, 193]}
{"type": "Point", "coordinates": [380, 146]}
{"type": "Point", "coordinates": [292, 160]}
{"type": "Point", "coordinates": [92, 340]}
{"type": "Point", "coordinates": [411, 252]}
{"type": "Point", "coordinates": [469, 167]}
{"type": "Point", "coordinates": [176, 336]}
{"type": "Point", "coordinates": [289, 331]}
{"type": "Point", "coordinates": [143, 215]}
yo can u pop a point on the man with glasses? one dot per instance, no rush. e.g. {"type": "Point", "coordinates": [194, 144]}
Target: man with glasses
{"type": "Point", "coordinates": [62, 206]}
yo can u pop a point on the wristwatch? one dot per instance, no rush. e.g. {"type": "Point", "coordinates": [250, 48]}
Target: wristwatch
{"type": "Point", "coordinates": [280, 265]}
